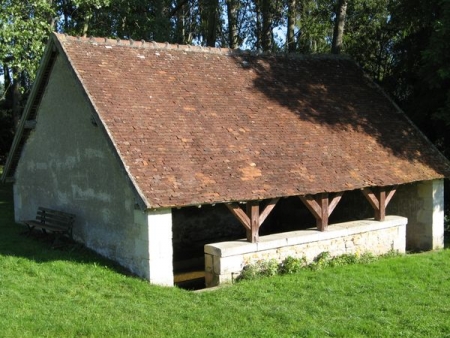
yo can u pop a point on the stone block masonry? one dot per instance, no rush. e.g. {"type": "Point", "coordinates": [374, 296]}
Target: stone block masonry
{"type": "Point", "coordinates": [224, 261]}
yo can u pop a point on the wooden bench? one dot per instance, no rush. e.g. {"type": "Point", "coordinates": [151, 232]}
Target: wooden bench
{"type": "Point", "coordinates": [57, 222]}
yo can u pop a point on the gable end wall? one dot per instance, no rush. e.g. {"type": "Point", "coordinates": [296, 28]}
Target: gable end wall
{"type": "Point", "coordinates": [68, 165]}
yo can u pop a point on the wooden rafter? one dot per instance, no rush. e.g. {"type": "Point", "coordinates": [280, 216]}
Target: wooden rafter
{"type": "Point", "coordinates": [321, 207]}
{"type": "Point", "coordinates": [379, 199]}
{"type": "Point", "coordinates": [251, 219]}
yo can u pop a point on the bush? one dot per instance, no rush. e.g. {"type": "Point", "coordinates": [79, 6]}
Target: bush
{"type": "Point", "coordinates": [293, 265]}
{"type": "Point", "coordinates": [322, 260]}
{"type": "Point", "coordinates": [259, 269]}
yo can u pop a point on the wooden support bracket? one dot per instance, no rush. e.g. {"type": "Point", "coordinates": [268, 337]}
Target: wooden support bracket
{"type": "Point", "coordinates": [267, 210]}
{"type": "Point", "coordinates": [251, 219]}
{"type": "Point", "coordinates": [379, 199]}
{"type": "Point", "coordinates": [239, 214]}
{"type": "Point", "coordinates": [321, 207]}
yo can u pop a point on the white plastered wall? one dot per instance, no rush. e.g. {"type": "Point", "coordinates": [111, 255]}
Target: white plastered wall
{"type": "Point", "coordinates": [67, 164]}
{"type": "Point", "coordinates": [153, 246]}
{"type": "Point", "coordinates": [423, 204]}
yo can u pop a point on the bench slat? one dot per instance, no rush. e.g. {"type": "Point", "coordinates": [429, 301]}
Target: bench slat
{"type": "Point", "coordinates": [58, 222]}
{"type": "Point", "coordinates": [50, 227]}
{"type": "Point", "coordinates": [53, 219]}
{"type": "Point", "coordinates": [46, 212]}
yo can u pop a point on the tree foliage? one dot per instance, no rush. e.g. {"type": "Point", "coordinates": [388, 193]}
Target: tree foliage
{"type": "Point", "coordinates": [401, 44]}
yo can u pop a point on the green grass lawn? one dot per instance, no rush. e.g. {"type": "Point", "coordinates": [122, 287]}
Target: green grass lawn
{"type": "Point", "coordinates": [72, 292]}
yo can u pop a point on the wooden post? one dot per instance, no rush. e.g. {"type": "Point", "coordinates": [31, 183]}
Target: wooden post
{"type": "Point", "coordinates": [251, 219]}
{"type": "Point", "coordinates": [321, 207]}
{"type": "Point", "coordinates": [379, 200]}
{"type": "Point", "coordinates": [322, 222]}
{"type": "Point", "coordinates": [380, 213]}
{"type": "Point", "coordinates": [253, 215]}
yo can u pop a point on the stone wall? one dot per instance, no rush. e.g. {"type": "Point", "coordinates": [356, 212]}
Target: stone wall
{"type": "Point", "coordinates": [224, 261]}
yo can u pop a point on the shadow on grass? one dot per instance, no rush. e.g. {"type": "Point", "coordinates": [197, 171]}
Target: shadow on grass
{"type": "Point", "coordinates": [14, 241]}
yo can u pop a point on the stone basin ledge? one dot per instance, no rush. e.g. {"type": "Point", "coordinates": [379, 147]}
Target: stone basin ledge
{"type": "Point", "coordinates": [225, 260]}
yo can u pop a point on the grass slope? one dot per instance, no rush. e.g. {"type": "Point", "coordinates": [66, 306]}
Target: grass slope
{"type": "Point", "coordinates": [74, 293]}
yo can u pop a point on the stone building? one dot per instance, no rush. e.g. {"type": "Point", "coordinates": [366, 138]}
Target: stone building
{"type": "Point", "coordinates": [163, 150]}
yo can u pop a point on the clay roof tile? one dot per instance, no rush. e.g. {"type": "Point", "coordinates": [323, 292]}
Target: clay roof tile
{"type": "Point", "coordinates": [196, 125]}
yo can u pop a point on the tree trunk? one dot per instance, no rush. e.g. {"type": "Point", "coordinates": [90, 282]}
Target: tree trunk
{"type": "Point", "coordinates": [266, 12]}
{"type": "Point", "coordinates": [87, 19]}
{"type": "Point", "coordinates": [339, 24]}
{"type": "Point", "coordinates": [7, 86]}
{"type": "Point", "coordinates": [50, 19]}
{"type": "Point", "coordinates": [258, 25]}
{"type": "Point", "coordinates": [180, 30]}
{"type": "Point", "coordinates": [232, 10]}
{"type": "Point", "coordinates": [210, 20]}
{"type": "Point", "coordinates": [16, 98]}
{"type": "Point", "coordinates": [290, 38]}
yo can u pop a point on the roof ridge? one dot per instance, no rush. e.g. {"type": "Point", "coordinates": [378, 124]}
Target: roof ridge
{"type": "Point", "coordinates": [193, 48]}
{"type": "Point", "coordinates": [147, 44]}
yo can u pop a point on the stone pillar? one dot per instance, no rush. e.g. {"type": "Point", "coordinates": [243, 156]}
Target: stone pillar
{"type": "Point", "coordinates": [433, 213]}
{"type": "Point", "coordinates": [423, 204]}
{"type": "Point", "coordinates": [153, 247]}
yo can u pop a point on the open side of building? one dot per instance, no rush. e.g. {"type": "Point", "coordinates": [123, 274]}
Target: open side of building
{"type": "Point", "coordinates": [161, 150]}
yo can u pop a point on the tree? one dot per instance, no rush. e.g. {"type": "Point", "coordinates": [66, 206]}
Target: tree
{"type": "Point", "coordinates": [338, 34]}
{"type": "Point", "coordinates": [291, 17]}
{"type": "Point", "coordinates": [266, 12]}
{"type": "Point", "coordinates": [314, 26]}
{"type": "Point", "coordinates": [184, 23]}
{"type": "Point", "coordinates": [232, 15]}
{"type": "Point", "coordinates": [420, 77]}
{"type": "Point", "coordinates": [25, 26]}
{"type": "Point", "coordinates": [209, 14]}
{"type": "Point", "coordinates": [436, 60]}
{"type": "Point", "coordinates": [370, 35]}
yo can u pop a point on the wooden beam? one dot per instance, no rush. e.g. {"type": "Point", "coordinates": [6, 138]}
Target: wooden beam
{"type": "Point", "coordinates": [322, 223]}
{"type": "Point", "coordinates": [334, 202]}
{"type": "Point", "coordinates": [370, 196]}
{"type": "Point", "coordinates": [267, 210]}
{"type": "Point", "coordinates": [380, 213]}
{"type": "Point", "coordinates": [319, 208]}
{"type": "Point", "coordinates": [253, 215]}
{"type": "Point", "coordinates": [390, 194]}
{"type": "Point", "coordinates": [249, 219]}
{"type": "Point", "coordinates": [312, 205]}
{"type": "Point", "coordinates": [240, 215]}
{"type": "Point", "coordinates": [379, 200]}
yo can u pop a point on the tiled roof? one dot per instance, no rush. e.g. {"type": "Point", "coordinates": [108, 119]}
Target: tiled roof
{"type": "Point", "coordinates": [199, 126]}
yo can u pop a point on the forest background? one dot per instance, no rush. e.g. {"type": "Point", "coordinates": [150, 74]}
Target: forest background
{"type": "Point", "coordinates": [403, 45]}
